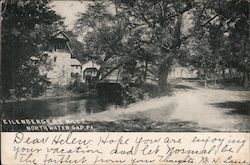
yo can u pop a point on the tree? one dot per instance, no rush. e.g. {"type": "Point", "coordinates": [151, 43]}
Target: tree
{"type": "Point", "coordinates": [227, 28]}
{"type": "Point", "coordinates": [26, 29]}
{"type": "Point", "coordinates": [147, 32]}
{"type": "Point", "coordinates": [78, 48]}
{"type": "Point", "coordinates": [152, 33]}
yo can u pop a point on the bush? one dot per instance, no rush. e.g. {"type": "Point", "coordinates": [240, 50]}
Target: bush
{"type": "Point", "coordinates": [135, 93]}
{"type": "Point", "coordinates": [32, 84]}
{"type": "Point", "coordinates": [78, 88]}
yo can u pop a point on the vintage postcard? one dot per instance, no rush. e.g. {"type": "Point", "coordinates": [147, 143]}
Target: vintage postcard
{"type": "Point", "coordinates": [125, 82]}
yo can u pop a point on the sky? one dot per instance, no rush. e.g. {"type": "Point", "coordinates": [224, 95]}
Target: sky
{"type": "Point", "coordinates": [69, 10]}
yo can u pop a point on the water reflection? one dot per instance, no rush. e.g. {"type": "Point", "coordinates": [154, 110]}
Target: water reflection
{"type": "Point", "coordinates": [40, 109]}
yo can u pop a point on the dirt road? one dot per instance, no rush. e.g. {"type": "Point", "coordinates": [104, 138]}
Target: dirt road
{"type": "Point", "coordinates": [196, 109]}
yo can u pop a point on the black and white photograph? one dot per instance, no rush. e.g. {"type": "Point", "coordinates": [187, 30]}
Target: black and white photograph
{"type": "Point", "coordinates": [125, 66]}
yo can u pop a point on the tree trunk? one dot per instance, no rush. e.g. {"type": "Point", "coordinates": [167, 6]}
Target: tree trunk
{"type": "Point", "coordinates": [163, 75]}
{"type": "Point", "coordinates": [165, 65]}
{"type": "Point", "coordinates": [223, 74]}
{"type": "Point", "coordinates": [146, 70]}
{"type": "Point", "coordinates": [246, 80]}
{"type": "Point", "coordinates": [13, 54]}
{"type": "Point", "coordinates": [205, 78]}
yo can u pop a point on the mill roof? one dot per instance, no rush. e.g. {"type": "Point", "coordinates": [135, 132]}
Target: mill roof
{"type": "Point", "coordinates": [61, 35]}
{"type": "Point", "coordinates": [74, 61]}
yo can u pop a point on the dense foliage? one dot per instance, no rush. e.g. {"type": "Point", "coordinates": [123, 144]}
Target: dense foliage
{"type": "Point", "coordinates": [220, 38]}
{"type": "Point", "coordinates": [139, 40]}
{"type": "Point", "coordinates": [150, 36]}
{"type": "Point", "coordinates": [26, 28]}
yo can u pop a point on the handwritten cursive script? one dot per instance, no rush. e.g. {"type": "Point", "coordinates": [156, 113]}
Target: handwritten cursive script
{"type": "Point", "coordinates": [126, 148]}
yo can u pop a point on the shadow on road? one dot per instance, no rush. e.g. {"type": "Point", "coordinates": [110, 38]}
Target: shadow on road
{"type": "Point", "coordinates": [183, 87]}
{"type": "Point", "coordinates": [142, 125]}
{"type": "Point", "coordinates": [242, 107]}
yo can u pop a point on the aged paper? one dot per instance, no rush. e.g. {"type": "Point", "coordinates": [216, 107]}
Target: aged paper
{"type": "Point", "coordinates": [125, 148]}
{"type": "Point", "coordinates": [125, 82]}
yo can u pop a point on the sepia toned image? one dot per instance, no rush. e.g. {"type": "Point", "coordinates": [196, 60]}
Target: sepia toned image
{"type": "Point", "coordinates": [125, 66]}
